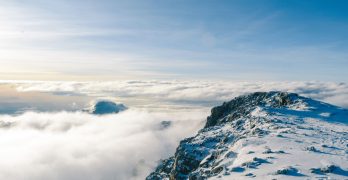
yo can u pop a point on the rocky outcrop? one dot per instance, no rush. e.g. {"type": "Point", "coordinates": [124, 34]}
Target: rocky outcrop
{"type": "Point", "coordinates": [239, 136]}
{"type": "Point", "coordinates": [243, 105]}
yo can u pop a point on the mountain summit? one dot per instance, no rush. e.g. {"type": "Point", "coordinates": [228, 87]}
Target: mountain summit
{"type": "Point", "coordinates": [102, 107]}
{"type": "Point", "coordinates": [264, 135]}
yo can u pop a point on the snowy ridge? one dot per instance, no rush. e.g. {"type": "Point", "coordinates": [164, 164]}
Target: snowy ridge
{"type": "Point", "coordinates": [264, 135]}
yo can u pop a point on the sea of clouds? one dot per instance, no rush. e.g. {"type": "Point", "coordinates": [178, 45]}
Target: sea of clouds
{"type": "Point", "coordinates": [76, 145]}
{"type": "Point", "coordinates": [127, 145]}
{"type": "Point", "coordinates": [191, 92]}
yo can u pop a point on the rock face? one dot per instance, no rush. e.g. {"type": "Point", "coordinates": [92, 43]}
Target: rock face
{"type": "Point", "coordinates": [264, 135]}
{"type": "Point", "coordinates": [106, 107]}
{"type": "Point", "coordinates": [243, 105]}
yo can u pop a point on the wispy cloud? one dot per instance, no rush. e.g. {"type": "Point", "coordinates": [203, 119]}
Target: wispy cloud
{"type": "Point", "coordinates": [128, 40]}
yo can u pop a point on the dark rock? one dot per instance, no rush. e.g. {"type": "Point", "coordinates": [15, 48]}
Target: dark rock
{"type": "Point", "coordinates": [287, 171]}
{"type": "Point", "coordinates": [326, 169]}
{"type": "Point", "coordinates": [254, 163]}
{"type": "Point", "coordinates": [250, 175]}
{"type": "Point", "coordinates": [165, 124]}
{"type": "Point", "coordinates": [312, 148]}
{"type": "Point", "coordinates": [163, 170]}
{"type": "Point", "coordinates": [269, 151]}
{"type": "Point", "coordinates": [238, 169]}
{"type": "Point", "coordinates": [242, 105]}
{"type": "Point", "coordinates": [217, 170]}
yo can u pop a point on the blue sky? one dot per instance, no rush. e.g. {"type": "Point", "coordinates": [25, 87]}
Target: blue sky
{"type": "Point", "coordinates": [205, 39]}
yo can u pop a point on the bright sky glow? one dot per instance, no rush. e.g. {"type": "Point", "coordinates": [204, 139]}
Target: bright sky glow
{"type": "Point", "coordinates": [234, 40]}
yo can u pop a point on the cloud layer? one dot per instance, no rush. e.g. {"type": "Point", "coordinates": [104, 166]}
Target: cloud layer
{"type": "Point", "coordinates": [204, 93]}
{"type": "Point", "coordinates": [77, 145]}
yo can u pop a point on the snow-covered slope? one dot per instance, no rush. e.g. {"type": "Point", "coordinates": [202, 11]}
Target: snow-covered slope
{"type": "Point", "coordinates": [264, 135]}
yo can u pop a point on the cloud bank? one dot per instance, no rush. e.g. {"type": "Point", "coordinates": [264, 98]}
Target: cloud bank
{"type": "Point", "coordinates": [78, 145]}
{"type": "Point", "coordinates": [204, 93]}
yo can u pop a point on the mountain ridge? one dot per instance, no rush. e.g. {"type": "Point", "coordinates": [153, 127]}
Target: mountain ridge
{"type": "Point", "coordinates": [262, 135]}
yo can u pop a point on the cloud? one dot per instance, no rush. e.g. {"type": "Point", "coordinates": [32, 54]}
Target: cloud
{"type": "Point", "coordinates": [78, 145]}
{"type": "Point", "coordinates": [195, 93]}
{"type": "Point", "coordinates": [108, 40]}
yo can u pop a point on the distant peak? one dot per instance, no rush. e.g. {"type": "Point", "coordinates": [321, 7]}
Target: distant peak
{"type": "Point", "coordinates": [106, 107]}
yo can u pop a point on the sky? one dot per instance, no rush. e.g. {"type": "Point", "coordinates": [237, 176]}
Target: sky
{"type": "Point", "coordinates": [196, 39]}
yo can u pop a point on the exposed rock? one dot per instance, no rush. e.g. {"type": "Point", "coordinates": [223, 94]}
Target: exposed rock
{"type": "Point", "coordinates": [254, 163]}
{"type": "Point", "coordinates": [250, 175]}
{"type": "Point", "coordinates": [237, 169]}
{"type": "Point", "coordinates": [165, 124]}
{"type": "Point", "coordinates": [287, 171]}
{"type": "Point", "coordinates": [163, 170]}
{"type": "Point", "coordinates": [325, 169]}
{"type": "Point", "coordinates": [312, 148]}
{"type": "Point", "coordinates": [249, 122]}
{"type": "Point", "coordinates": [243, 105]}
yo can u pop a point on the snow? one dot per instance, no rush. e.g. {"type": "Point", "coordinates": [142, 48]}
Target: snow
{"type": "Point", "coordinates": [329, 139]}
{"type": "Point", "coordinates": [306, 139]}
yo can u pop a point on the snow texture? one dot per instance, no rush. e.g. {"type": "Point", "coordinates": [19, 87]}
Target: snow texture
{"type": "Point", "coordinates": [273, 135]}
